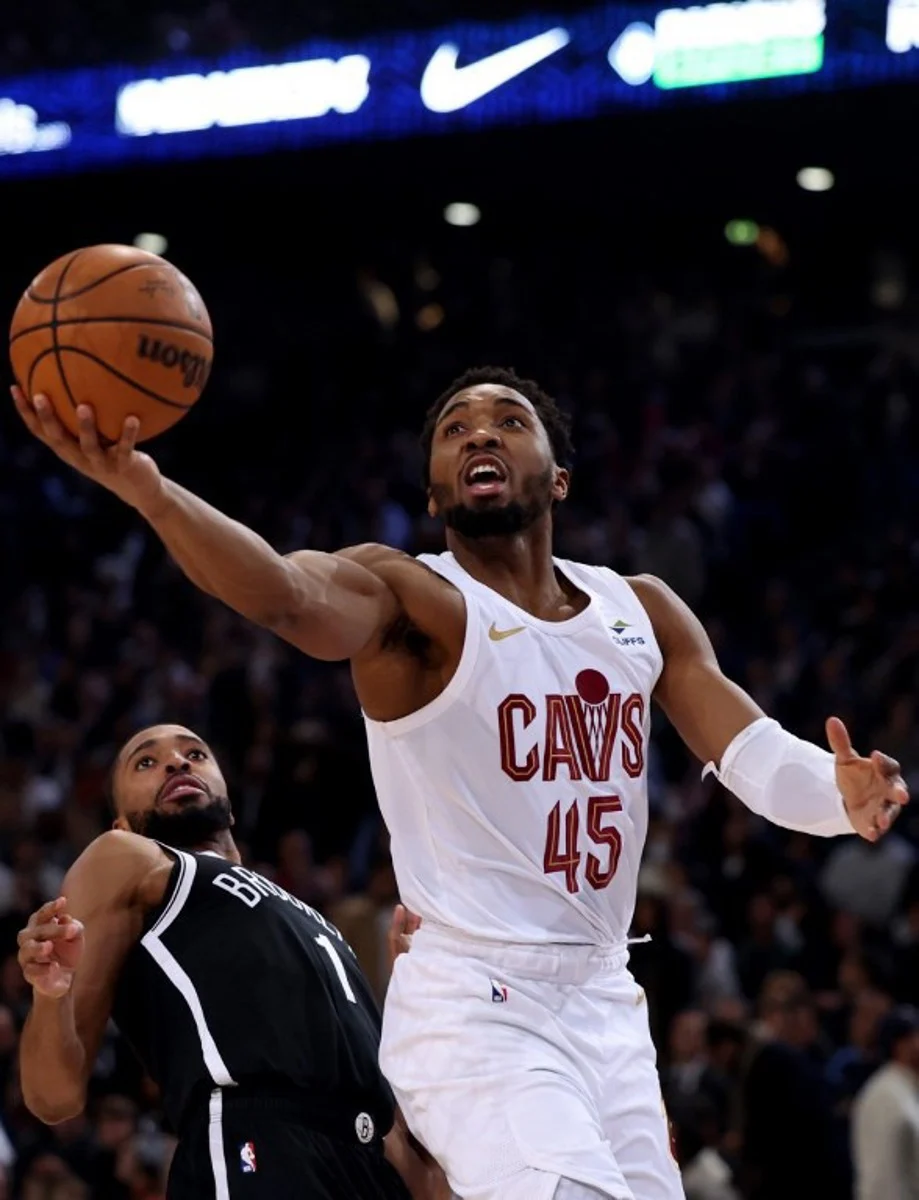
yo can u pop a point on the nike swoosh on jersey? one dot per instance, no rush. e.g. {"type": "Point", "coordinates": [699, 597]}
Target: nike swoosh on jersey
{"type": "Point", "coordinates": [445, 87]}
{"type": "Point", "coordinates": [498, 635]}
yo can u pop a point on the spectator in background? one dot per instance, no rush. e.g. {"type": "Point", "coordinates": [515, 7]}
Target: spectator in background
{"type": "Point", "coordinates": [727, 1044]}
{"type": "Point", "coordinates": [7, 1159]}
{"type": "Point", "coordinates": [764, 950]}
{"type": "Point", "coordinates": [789, 1150]}
{"type": "Point", "coordinates": [672, 545]}
{"type": "Point", "coordinates": [364, 919]}
{"type": "Point", "coordinates": [115, 1126]}
{"type": "Point", "coordinates": [706, 1174]}
{"type": "Point", "coordinates": [906, 939]}
{"type": "Point", "coordinates": [697, 1095]}
{"type": "Point", "coordinates": [296, 871]}
{"type": "Point", "coordinates": [684, 1078]}
{"type": "Point", "coordinates": [716, 979]}
{"type": "Point", "coordinates": [853, 1064]}
{"type": "Point", "coordinates": [885, 1116]}
{"type": "Point", "coordinates": [143, 1166]}
{"type": "Point", "coordinates": [868, 878]}
{"type": "Point", "coordinates": [49, 1178]}
{"type": "Point", "coordinates": [663, 969]}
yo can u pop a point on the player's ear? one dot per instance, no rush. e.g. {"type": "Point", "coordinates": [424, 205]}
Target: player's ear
{"type": "Point", "coordinates": [121, 823]}
{"type": "Point", "coordinates": [432, 504]}
{"type": "Point", "coordinates": [560, 484]}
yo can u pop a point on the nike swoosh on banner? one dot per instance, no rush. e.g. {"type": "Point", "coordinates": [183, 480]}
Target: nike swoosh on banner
{"type": "Point", "coordinates": [445, 87]}
{"type": "Point", "coordinates": [498, 635]}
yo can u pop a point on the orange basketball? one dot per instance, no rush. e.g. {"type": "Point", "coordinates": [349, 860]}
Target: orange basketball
{"type": "Point", "coordinates": [118, 328]}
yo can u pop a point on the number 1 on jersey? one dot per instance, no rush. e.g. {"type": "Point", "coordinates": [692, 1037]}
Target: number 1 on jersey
{"type": "Point", "coordinates": [568, 860]}
{"type": "Point", "coordinates": [338, 965]}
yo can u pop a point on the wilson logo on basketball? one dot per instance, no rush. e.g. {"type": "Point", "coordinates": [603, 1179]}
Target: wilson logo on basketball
{"type": "Point", "coordinates": [194, 368]}
{"type": "Point", "coordinates": [579, 732]}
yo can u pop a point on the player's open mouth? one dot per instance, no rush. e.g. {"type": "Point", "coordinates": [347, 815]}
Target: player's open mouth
{"type": "Point", "coordinates": [485, 475]}
{"type": "Point", "coordinates": [177, 787]}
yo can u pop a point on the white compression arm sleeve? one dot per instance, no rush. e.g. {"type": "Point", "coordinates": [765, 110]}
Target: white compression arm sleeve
{"type": "Point", "coordinates": [784, 779]}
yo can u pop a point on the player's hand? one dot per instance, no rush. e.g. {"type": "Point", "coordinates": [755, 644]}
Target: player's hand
{"type": "Point", "coordinates": [133, 476]}
{"type": "Point", "coordinates": [403, 924]}
{"type": "Point", "coordinates": [420, 1173]}
{"type": "Point", "coordinates": [873, 790]}
{"type": "Point", "coordinates": [50, 949]}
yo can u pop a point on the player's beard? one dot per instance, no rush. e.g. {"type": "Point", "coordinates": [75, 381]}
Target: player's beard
{"type": "Point", "coordinates": [186, 828]}
{"type": "Point", "coordinates": [500, 520]}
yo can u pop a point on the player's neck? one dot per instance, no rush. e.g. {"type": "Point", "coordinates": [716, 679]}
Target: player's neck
{"type": "Point", "coordinates": [518, 567]}
{"type": "Point", "coordinates": [222, 844]}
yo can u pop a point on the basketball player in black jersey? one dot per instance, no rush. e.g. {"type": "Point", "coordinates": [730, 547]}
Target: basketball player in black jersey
{"type": "Point", "coordinates": [245, 1005]}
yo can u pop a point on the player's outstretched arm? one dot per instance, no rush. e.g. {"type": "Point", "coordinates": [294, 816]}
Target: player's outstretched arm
{"type": "Point", "coordinates": [71, 952]}
{"type": "Point", "coordinates": [330, 607]}
{"type": "Point", "coordinates": [789, 781]}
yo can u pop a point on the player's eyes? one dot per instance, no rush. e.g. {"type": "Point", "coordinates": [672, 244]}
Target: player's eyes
{"type": "Point", "coordinates": [458, 427]}
{"type": "Point", "coordinates": [143, 763]}
{"type": "Point", "coordinates": [196, 754]}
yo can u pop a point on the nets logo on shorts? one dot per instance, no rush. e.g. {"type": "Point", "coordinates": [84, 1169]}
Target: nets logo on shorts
{"type": "Point", "coordinates": [498, 992]}
{"type": "Point", "coordinates": [364, 1128]}
{"type": "Point", "coordinates": [247, 1163]}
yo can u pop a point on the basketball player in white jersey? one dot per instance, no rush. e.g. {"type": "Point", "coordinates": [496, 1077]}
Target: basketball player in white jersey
{"type": "Point", "coordinates": [507, 697]}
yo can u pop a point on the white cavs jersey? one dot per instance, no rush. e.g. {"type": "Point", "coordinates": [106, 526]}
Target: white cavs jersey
{"type": "Point", "coordinates": [517, 799]}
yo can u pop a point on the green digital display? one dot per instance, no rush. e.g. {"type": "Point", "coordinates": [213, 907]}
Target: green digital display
{"type": "Point", "coordinates": [700, 65]}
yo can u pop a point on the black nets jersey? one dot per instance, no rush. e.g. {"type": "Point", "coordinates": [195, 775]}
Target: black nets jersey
{"type": "Point", "coordinates": [236, 981]}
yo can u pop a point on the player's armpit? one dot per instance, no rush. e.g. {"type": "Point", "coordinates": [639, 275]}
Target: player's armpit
{"type": "Point", "coordinates": [706, 708]}
{"type": "Point", "coordinates": [107, 891]}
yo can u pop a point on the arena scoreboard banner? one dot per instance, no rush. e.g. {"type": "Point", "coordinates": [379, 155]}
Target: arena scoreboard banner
{"type": "Point", "coordinates": [618, 57]}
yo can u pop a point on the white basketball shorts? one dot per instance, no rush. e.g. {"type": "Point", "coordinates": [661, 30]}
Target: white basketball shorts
{"type": "Point", "coordinates": [522, 1066]}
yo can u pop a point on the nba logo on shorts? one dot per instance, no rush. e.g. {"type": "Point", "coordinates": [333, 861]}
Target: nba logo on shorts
{"type": "Point", "coordinates": [498, 992]}
{"type": "Point", "coordinates": [247, 1158]}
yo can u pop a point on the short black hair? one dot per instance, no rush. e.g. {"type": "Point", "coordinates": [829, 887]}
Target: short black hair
{"type": "Point", "coordinates": [556, 422]}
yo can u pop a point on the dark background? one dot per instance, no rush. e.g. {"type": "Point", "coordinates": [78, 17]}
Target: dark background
{"type": "Point", "coordinates": [747, 430]}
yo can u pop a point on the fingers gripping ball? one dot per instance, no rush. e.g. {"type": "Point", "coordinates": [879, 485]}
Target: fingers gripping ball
{"type": "Point", "coordinates": [117, 328]}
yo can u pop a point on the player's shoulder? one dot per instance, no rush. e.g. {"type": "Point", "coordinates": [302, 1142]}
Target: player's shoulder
{"type": "Point", "coordinates": [676, 626]}
{"type": "Point", "coordinates": [119, 865]}
{"type": "Point", "coordinates": [396, 567]}
{"type": "Point", "coordinates": [659, 601]}
{"type": "Point", "coordinates": [650, 590]}
{"type": "Point", "coordinates": [658, 598]}
{"type": "Point", "coordinates": [374, 556]}
{"type": "Point", "coordinates": [117, 844]}
{"type": "Point", "coordinates": [118, 856]}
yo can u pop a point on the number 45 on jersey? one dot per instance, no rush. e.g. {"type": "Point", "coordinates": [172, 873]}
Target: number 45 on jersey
{"type": "Point", "coordinates": [567, 858]}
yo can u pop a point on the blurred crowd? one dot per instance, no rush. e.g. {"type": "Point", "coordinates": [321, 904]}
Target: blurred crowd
{"type": "Point", "coordinates": [56, 34]}
{"type": "Point", "coordinates": [733, 439]}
